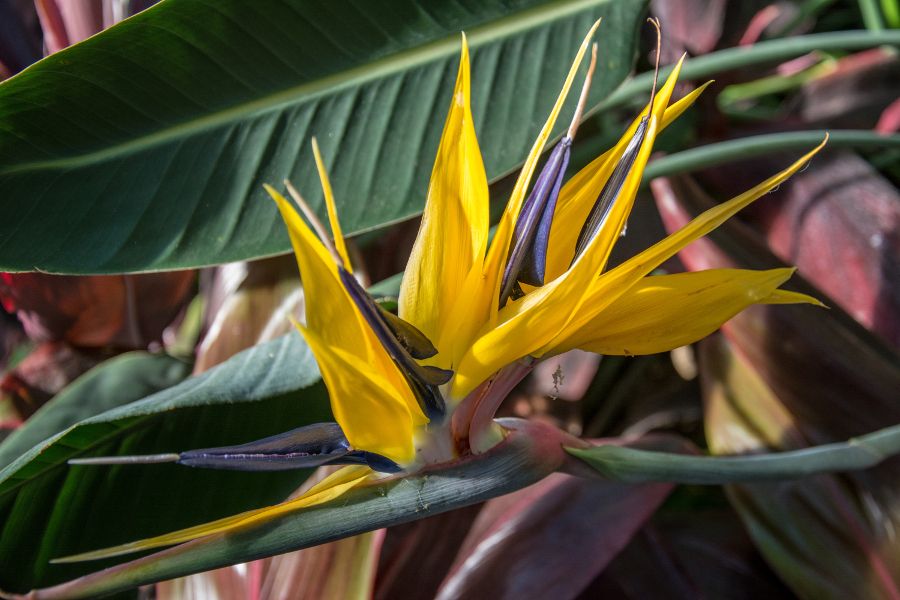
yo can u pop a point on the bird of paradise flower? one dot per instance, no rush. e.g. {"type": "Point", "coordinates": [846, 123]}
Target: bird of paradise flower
{"type": "Point", "coordinates": [422, 387]}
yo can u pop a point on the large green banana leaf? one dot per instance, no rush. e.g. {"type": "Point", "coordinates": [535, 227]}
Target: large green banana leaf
{"type": "Point", "coordinates": [48, 508]}
{"type": "Point", "coordinates": [146, 147]}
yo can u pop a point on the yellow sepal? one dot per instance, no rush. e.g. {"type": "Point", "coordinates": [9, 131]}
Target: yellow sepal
{"type": "Point", "coordinates": [453, 233]}
{"type": "Point", "coordinates": [607, 288]}
{"type": "Point", "coordinates": [375, 414]}
{"type": "Point", "coordinates": [577, 196]}
{"type": "Point", "coordinates": [663, 312]}
{"type": "Point", "coordinates": [336, 233]}
{"type": "Point", "coordinates": [338, 334]}
{"type": "Point", "coordinates": [544, 319]}
{"type": "Point", "coordinates": [328, 489]}
{"type": "Point", "coordinates": [497, 254]}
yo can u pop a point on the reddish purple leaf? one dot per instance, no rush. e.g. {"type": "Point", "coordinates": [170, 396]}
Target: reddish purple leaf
{"type": "Point", "coordinates": [247, 304]}
{"type": "Point", "coordinates": [828, 536]}
{"type": "Point", "coordinates": [889, 121]}
{"type": "Point", "coordinates": [19, 37]}
{"type": "Point", "coordinates": [678, 555]}
{"type": "Point", "coordinates": [43, 373]}
{"type": "Point", "coordinates": [120, 311]}
{"type": "Point", "coordinates": [689, 25]}
{"type": "Point", "coordinates": [416, 556]}
{"type": "Point", "coordinates": [808, 376]}
{"type": "Point", "coordinates": [855, 93]}
{"type": "Point", "coordinates": [839, 222]}
{"type": "Point", "coordinates": [549, 540]}
{"type": "Point", "coordinates": [822, 365]}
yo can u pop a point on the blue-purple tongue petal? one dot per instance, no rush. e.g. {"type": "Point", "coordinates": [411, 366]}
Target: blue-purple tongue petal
{"type": "Point", "coordinates": [305, 447]}
{"type": "Point", "coordinates": [422, 380]}
{"type": "Point", "coordinates": [376, 462]}
{"type": "Point", "coordinates": [302, 448]}
{"type": "Point", "coordinates": [535, 264]}
{"type": "Point", "coordinates": [610, 193]}
{"type": "Point", "coordinates": [527, 259]}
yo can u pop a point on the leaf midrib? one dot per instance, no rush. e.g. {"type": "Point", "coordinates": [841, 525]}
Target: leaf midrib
{"type": "Point", "coordinates": [331, 84]}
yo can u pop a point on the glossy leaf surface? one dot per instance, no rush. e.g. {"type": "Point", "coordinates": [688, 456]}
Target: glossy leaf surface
{"type": "Point", "coordinates": [49, 509]}
{"type": "Point", "coordinates": [114, 383]}
{"type": "Point", "coordinates": [145, 147]}
{"type": "Point", "coordinates": [530, 452]}
{"type": "Point", "coordinates": [549, 540]}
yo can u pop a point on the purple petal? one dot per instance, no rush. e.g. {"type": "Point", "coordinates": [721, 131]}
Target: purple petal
{"type": "Point", "coordinates": [302, 448]}
{"type": "Point", "coordinates": [423, 381]}
{"type": "Point", "coordinates": [536, 214]}
{"type": "Point", "coordinates": [610, 193]}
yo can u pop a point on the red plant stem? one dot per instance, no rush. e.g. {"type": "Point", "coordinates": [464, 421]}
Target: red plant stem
{"type": "Point", "coordinates": [498, 388]}
{"type": "Point", "coordinates": [462, 416]}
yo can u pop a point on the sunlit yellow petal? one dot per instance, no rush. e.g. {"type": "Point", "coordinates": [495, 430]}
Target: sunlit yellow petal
{"type": "Point", "coordinates": [540, 321]}
{"type": "Point", "coordinates": [557, 308]}
{"type": "Point", "coordinates": [578, 195]}
{"type": "Point", "coordinates": [336, 232]}
{"type": "Point", "coordinates": [375, 414]}
{"type": "Point", "coordinates": [667, 311]}
{"type": "Point", "coordinates": [496, 258]}
{"type": "Point", "coordinates": [453, 233]}
{"type": "Point", "coordinates": [330, 311]}
{"type": "Point", "coordinates": [526, 326]}
{"type": "Point", "coordinates": [337, 325]}
{"type": "Point", "coordinates": [788, 297]}
{"type": "Point", "coordinates": [329, 488]}
{"type": "Point", "coordinates": [597, 252]}
{"type": "Point", "coordinates": [607, 288]}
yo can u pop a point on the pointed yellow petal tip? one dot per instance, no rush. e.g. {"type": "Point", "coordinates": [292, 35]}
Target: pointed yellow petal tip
{"type": "Point", "coordinates": [463, 76]}
{"type": "Point", "coordinates": [273, 193]}
{"type": "Point", "coordinates": [333, 486]}
{"type": "Point", "coordinates": [336, 233]}
{"type": "Point", "coordinates": [808, 156]}
{"type": "Point", "coordinates": [676, 71]}
{"type": "Point", "coordinates": [590, 33]}
{"type": "Point", "coordinates": [788, 297]}
{"type": "Point", "coordinates": [296, 323]}
{"type": "Point", "coordinates": [780, 296]}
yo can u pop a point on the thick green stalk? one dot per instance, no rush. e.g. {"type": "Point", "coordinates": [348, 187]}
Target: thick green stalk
{"type": "Point", "coordinates": [871, 15]}
{"type": "Point", "coordinates": [631, 465]}
{"type": "Point", "coordinates": [530, 452]}
{"type": "Point", "coordinates": [718, 153]}
{"type": "Point", "coordinates": [891, 11]}
{"type": "Point", "coordinates": [709, 65]}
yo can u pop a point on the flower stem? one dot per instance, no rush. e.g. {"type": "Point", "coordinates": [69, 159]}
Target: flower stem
{"type": "Point", "coordinates": [745, 56]}
{"type": "Point", "coordinates": [632, 465]}
{"type": "Point", "coordinates": [871, 15]}
{"type": "Point", "coordinates": [710, 155]}
{"type": "Point", "coordinates": [483, 434]}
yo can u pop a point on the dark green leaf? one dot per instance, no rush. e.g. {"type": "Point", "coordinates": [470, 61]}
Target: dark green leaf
{"type": "Point", "coordinates": [522, 459]}
{"type": "Point", "coordinates": [49, 509]}
{"type": "Point", "coordinates": [116, 382]}
{"type": "Point", "coordinates": [146, 146]}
